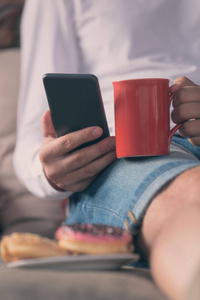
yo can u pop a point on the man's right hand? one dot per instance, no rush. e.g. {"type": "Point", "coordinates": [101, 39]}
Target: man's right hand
{"type": "Point", "coordinates": [74, 171]}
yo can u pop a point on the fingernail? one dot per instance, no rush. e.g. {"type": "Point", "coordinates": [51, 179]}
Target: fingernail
{"type": "Point", "coordinates": [97, 132]}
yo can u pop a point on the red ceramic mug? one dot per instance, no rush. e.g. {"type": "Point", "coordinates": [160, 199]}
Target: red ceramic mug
{"type": "Point", "coordinates": [142, 117]}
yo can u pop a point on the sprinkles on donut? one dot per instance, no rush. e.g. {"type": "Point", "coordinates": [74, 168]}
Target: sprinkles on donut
{"type": "Point", "coordinates": [94, 239]}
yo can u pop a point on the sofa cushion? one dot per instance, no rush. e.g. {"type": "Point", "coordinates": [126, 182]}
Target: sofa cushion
{"type": "Point", "coordinates": [19, 210]}
{"type": "Point", "coordinates": [34, 284]}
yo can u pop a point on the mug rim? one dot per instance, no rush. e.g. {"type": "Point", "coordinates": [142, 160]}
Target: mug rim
{"type": "Point", "coordinates": [145, 80]}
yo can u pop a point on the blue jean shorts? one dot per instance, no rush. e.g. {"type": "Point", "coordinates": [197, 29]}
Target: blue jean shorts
{"type": "Point", "coordinates": [121, 194]}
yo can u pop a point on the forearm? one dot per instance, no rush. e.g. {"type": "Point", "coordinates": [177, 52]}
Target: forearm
{"type": "Point", "coordinates": [29, 171]}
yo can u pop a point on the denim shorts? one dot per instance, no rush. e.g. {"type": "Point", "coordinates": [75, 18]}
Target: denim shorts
{"type": "Point", "coordinates": [121, 194]}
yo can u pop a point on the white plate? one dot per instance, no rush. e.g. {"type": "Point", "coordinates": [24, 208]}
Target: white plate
{"type": "Point", "coordinates": [79, 262]}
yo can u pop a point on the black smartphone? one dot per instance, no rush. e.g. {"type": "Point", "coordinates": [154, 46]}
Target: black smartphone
{"type": "Point", "coordinates": [75, 103]}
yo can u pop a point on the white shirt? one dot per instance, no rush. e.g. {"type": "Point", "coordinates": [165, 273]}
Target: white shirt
{"type": "Point", "coordinates": [113, 39]}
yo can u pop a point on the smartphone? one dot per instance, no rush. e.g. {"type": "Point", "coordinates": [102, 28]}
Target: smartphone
{"type": "Point", "coordinates": [75, 103]}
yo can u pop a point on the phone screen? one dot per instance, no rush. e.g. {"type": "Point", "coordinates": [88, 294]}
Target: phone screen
{"type": "Point", "coordinates": [75, 102]}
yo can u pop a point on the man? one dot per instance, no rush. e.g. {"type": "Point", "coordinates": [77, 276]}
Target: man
{"type": "Point", "coordinates": [156, 197]}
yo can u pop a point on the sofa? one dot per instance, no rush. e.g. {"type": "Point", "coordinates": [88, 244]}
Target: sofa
{"type": "Point", "coordinates": [19, 210]}
{"type": "Point", "coordinates": [127, 284]}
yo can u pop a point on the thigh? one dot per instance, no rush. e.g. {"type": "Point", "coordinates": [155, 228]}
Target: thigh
{"type": "Point", "coordinates": [180, 194]}
{"type": "Point", "coordinates": [122, 193]}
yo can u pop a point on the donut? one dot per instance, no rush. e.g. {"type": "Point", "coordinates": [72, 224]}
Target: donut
{"type": "Point", "coordinates": [94, 239]}
{"type": "Point", "coordinates": [26, 245]}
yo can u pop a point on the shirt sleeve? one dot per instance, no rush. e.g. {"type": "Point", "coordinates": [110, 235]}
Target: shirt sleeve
{"type": "Point", "coordinates": [48, 45]}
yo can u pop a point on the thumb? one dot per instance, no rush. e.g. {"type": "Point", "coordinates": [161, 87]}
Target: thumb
{"type": "Point", "coordinates": [179, 83]}
{"type": "Point", "coordinates": [47, 125]}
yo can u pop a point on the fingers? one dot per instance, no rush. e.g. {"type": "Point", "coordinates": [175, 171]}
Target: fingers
{"type": "Point", "coordinates": [86, 155]}
{"type": "Point", "coordinates": [186, 105]}
{"type": "Point", "coordinates": [79, 179]}
{"type": "Point", "coordinates": [74, 171]}
{"type": "Point", "coordinates": [186, 111]}
{"type": "Point", "coordinates": [75, 160]}
{"type": "Point", "coordinates": [47, 125]}
{"type": "Point", "coordinates": [182, 81]}
{"type": "Point", "coordinates": [69, 142]}
{"type": "Point", "coordinates": [190, 128]}
{"type": "Point", "coordinates": [186, 94]}
{"type": "Point", "coordinates": [179, 83]}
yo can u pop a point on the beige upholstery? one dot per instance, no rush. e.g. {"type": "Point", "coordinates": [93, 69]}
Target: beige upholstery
{"type": "Point", "coordinates": [77, 285]}
{"type": "Point", "coordinates": [19, 210]}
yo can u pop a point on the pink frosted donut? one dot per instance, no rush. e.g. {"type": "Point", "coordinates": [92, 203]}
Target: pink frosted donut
{"type": "Point", "coordinates": [94, 239]}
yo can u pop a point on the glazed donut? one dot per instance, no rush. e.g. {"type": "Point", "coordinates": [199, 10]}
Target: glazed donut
{"type": "Point", "coordinates": [94, 239]}
{"type": "Point", "coordinates": [26, 245]}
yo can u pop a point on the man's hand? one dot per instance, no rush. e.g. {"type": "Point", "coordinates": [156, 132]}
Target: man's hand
{"type": "Point", "coordinates": [186, 105]}
{"type": "Point", "coordinates": [74, 171]}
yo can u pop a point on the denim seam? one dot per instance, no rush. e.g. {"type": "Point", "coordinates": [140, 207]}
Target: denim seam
{"type": "Point", "coordinates": [182, 169]}
{"type": "Point", "coordinates": [100, 207]}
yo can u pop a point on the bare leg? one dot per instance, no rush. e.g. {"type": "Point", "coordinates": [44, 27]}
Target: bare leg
{"type": "Point", "coordinates": [170, 235]}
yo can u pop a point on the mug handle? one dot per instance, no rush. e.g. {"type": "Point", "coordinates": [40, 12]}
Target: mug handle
{"type": "Point", "coordinates": [177, 126]}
